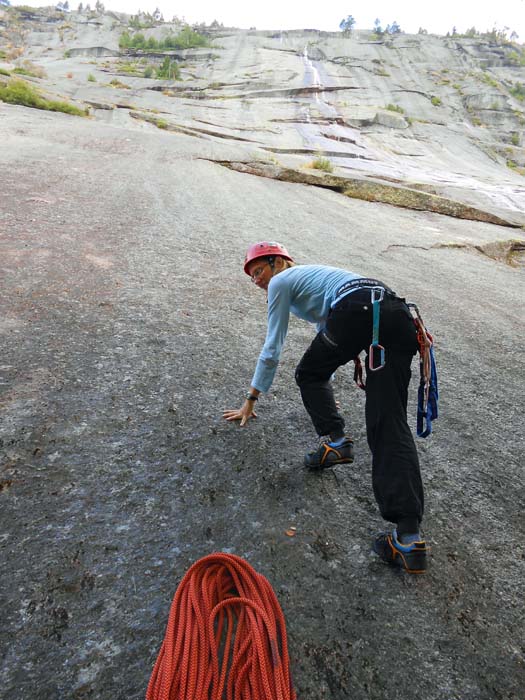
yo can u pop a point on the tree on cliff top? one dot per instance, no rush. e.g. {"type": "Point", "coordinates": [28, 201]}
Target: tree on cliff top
{"type": "Point", "coordinates": [393, 28]}
{"type": "Point", "coordinates": [346, 25]}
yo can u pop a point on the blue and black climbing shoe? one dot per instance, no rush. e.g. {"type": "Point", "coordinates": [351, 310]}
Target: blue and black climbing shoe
{"type": "Point", "coordinates": [410, 557]}
{"type": "Point", "coordinates": [328, 454]}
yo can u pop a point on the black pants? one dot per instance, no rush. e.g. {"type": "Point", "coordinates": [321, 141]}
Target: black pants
{"type": "Point", "coordinates": [396, 476]}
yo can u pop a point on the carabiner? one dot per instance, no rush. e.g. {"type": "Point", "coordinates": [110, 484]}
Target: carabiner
{"type": "Point", "coordinates": [376, 362]}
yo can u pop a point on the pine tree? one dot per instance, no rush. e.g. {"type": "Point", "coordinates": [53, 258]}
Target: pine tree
{"type": "Point", "coordinates": [346, 25]}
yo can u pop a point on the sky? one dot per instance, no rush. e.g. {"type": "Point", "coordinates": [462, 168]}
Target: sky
{"type": "Point", "coordinates": [435, 17]}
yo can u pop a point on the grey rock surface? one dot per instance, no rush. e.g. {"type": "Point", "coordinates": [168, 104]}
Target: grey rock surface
{"type": "Point", "coordinates": [127, 326]}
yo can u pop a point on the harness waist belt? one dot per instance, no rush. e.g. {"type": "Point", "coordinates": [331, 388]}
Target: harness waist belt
{"type": "Point", "coordinates": [361, 283]}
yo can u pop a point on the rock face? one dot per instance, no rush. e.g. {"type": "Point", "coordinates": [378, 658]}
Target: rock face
{"type": "Point", "coordinates": [127, 326]}
{"type": "Point", "coordinates": [95, 51]}
{"type": "Point", "coordinates": [434, 113]}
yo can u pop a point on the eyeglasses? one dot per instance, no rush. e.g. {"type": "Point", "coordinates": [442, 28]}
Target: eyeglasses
{"type": "Point", "coordinates": [258, 272]}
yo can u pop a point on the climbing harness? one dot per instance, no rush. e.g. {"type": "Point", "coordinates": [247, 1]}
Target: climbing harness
{"type": "Point", "coordinates": [357, 285]}
{"type": "Point", "coordinates": [427, 394]}
{"type": "Point", "coordinates": [376, 352]}
{"type": "Point", "coordinates": [225, 637]}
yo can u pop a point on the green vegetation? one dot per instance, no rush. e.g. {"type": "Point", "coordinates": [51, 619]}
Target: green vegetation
{"type": "Point", "coordinates": [129, 68]}
{"type": "Point", "coordinates": [4, 72]}
{"type": "Point", "coordinates": [518, 91]}
{"type": "Point", "coordinates": [117, 84]}
{"type": "Point", "coordinates": [143, 20]}
{"type": "Point", "coordinates": [30, 69]}
{"type": "Point", "coordinates": [161, 124]}
{"type": "Point", "coordinates": [187, 38]}
{"type": "Point", "coordinates": [271, 159]}
{"type": "Point", "coordinates": [21, 71]}
{"type": "Point", "coordinates": [3, 55]}
{"type": "Point", "coordinates": [489, 80]}
{"type": "Point", "coordinates": [497, 36]}
{"type": "Point", "coordinates": [169, 70]}
{"type": "Point", "coordinates": [520, 116]}
{"type": "Point", "coordinates": [135, 23]}
{"type": "Point", "coordinates": [18, 92]}
{"type": "Point", "coordinates": [516, 58]}
{"type": "Point", "coordinates": [395, 108]}
{"type": "Point", "coordinates": [24, 71]}
{"type": "Point", "coordinates": [321, 163]}
{"type": "Point", "coordinates": [391, 29]}
{"type": "Point", "coordinates": [137, 68]}
{"type": "Point", "coordinates": [436, 101]}
{"type": "Point", "coordinates": [514, 166]}
{"type": "Point", "coordinates": [515, 138]}
{"type": "Point", "coordinates": [91, 78]}
{"type": "Point", "coordinates": [346, 25]}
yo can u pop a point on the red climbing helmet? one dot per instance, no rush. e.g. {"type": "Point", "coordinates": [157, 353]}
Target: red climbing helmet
{"type": "Point", "coordinates": [265, 249]}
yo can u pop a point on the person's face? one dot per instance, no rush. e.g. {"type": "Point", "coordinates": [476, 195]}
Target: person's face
{"type": "Point", "coordinates": [260, 272]}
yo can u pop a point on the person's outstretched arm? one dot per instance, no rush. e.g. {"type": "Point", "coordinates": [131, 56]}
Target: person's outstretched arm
{"type": "Point", "coordinates": [246, 411]}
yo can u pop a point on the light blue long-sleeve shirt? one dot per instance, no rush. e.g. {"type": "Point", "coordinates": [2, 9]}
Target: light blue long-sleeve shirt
{"type": "Point", "coordinates": [308, 291]}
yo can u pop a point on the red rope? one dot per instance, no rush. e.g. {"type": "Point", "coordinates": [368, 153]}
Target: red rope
{"type": "Point", "coordinates": [225, 637]}
{"type": "Point", "coordinates": [425, 342]}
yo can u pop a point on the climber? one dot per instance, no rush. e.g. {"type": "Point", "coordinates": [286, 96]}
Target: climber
{"type": "Point", "coordinates": [352, 314]}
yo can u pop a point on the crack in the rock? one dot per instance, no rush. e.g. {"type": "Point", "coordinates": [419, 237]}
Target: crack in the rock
{"type": "Point", "coordinates": [413, 92]}
{"type": "Point", "coordinates": [370, 190]}
{"type": "Point", "coordinates": [265, 130]}
{"type": "Point", "coordinates": [407, 245]}
{"type": "Point", "coordinates": [315, 152]}
{"type": "Point", "coordinates": [341, 139]}
{"type": "Point", "coordinates": [325, 121]}
{"type": "Point", "coordinates": [509, 251]}
{"type": "Point", "coordinates": [276, 48]}
{"type": "Point", "coordinates": [284, 92]}
{"type": "Point", "coordinates": [187, 130]}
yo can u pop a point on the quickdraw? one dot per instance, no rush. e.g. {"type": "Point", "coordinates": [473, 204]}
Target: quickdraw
{"type": "Point", "coordinates": [376, 352]}
{"type": "Point", "coordinates": [427, 395]}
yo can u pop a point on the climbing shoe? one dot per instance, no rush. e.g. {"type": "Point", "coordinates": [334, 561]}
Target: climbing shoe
{"type": "Point", "coordinates": [328, 455]}
{"type": "Point", "coordinates": [410, 557]}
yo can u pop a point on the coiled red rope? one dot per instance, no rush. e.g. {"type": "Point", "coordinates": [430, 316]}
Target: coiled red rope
{"type": "Point", "coordinates": [225, 638]}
